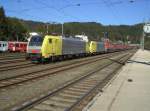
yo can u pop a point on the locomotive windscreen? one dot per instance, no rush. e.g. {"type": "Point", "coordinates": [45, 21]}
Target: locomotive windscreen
{"type": "Point", "coordinates": [36, 41]}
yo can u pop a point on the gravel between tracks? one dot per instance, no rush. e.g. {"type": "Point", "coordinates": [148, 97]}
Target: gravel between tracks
{"type": "Point", "coordinates": [16, 95]}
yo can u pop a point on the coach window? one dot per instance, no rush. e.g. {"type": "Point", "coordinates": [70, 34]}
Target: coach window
{"type": "Point", "coordinates": [17, 45]}
{"type": "Point", "coordinates": [21, 45]}
{"type": "Point", "coordinates": [3, 45]}
{"type": "Point", "coordinates": [50, 41]}
{"type": "Point", "coordinates": [0, 45]}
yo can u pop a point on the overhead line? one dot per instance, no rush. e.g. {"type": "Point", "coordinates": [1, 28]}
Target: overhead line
{"type": "Point", "coordinates": [61, 12]}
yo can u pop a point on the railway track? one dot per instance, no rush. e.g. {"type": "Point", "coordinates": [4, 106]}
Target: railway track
{"type": "Point", "coordinates": [12, 61]}
{"type": "Point", "coordinates": [11, 55]}
{"type": "Point", "coordinates": [16, 66]}
{"type": "Point", "coordinates": [73, 95]}
{"type": "Point", "coordinates": [15, 80]}
{"type": "Point", "coordinates": [13, 66]}
{"type": "Point", "coordinates": [11, 58]}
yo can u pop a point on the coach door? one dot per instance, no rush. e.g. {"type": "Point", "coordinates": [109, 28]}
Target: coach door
{"type": "Point", "coordinates": [54, 46]}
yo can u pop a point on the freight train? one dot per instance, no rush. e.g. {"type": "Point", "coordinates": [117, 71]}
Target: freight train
{"type": "Point", "coordinates": [13, 46]}
{"type": "Point", "coordinates": [54, 47]}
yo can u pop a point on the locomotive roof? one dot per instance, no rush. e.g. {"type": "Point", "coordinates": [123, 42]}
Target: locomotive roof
{"type": "Point", "coordinates": [72, 38]}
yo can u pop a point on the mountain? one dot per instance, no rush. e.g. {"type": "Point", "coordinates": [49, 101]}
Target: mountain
{"type": "Point", "coordinates": [95, 31]}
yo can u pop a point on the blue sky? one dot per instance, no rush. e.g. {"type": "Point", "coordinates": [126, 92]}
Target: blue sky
{"type": "Point", "coordinates": [103, 11]}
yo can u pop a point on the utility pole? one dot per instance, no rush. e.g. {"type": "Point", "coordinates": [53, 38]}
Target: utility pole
{"type": "Point", "coordinates": [62, 29]}
{"type": "Point", "coordinates": [142, 40]}
{"type": "Point", "coordinates": [127, 39]}
{"type": "Point", "coordinates": [47, 28]}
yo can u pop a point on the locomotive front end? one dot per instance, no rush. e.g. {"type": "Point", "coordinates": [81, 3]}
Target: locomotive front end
{"type": "Point", "coordinates": [34, 48]}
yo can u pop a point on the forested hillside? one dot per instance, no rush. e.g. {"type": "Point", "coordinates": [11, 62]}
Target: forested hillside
{"type": "Point", "coordinates": [13, 28]}
{"type": "Point", "coordinates": [92, 29]}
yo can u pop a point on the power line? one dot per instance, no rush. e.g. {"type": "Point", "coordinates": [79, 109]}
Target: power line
{"type": "Point", "coordinates": [115, 12]}
{"type": "Point", "coordinates": [59, 11]}
{"type": "Point", "coordinates": [110, 8]}
{"type": "Point", "coordinates": [74, 5]}
{"type": "Point", "coordinates": [69, 5]}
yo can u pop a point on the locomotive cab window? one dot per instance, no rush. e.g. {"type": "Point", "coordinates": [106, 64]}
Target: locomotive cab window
{"type": "Point", "coordinates": [50, 41]}
{"type": "Point", "coordinates": [36, 41]}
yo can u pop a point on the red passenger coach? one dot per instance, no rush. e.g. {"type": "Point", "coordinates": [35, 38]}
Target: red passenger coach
{"type": "Point", "coordinates": [17, 46]}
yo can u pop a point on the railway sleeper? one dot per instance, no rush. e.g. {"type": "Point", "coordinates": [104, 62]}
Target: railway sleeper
{"type": "Point", "coordinates": [56, 103]}
{"type": "Point", "coordinates": [73, 93]}
{"type": "Point", "coordinates": [80, 90]}
{"type": "Point", "coordinates": [45, 107]}
{"type": "Point", "coordinates": [68, 95]}
{"type": "Point", "coordinates": [63, 100]}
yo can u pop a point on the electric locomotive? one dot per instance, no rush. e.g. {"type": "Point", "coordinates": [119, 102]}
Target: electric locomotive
{"type": "Point", "coordinates": [53, 47]}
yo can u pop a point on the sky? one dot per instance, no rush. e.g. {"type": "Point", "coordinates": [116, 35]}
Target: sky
{"type": "Point", "coordinates": [106, 12]}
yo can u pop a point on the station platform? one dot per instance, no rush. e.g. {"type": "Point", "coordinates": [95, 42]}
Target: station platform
{"type": "Point", "coordinates": [129, 90]}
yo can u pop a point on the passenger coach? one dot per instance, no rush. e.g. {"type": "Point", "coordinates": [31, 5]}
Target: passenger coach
{"type": "Point", "coordinates": [3, 46]}
{"type": "Point", "coordinates": [17, 46]}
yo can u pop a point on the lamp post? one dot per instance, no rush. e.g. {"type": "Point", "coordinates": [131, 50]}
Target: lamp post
{"type": "Point", "coordinates": [142, 40]}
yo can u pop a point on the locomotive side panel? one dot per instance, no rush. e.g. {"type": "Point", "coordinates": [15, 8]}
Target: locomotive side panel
{"type": "Point", "coordinates": [72, 46]}
{"type": "Point", "coordinates": [52, 46]}
{"type": "Point", "coordinates": [87, 47]}
{"type": "Point", "coordinates": [100, 47]}
{"type": "Point", "coordinates": [93, 47]}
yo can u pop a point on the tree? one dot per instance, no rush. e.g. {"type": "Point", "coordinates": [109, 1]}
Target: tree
{"type": "Point", "coordinates": [3, 24]}
{"type": "Point", "coordinates": [11, 28]}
